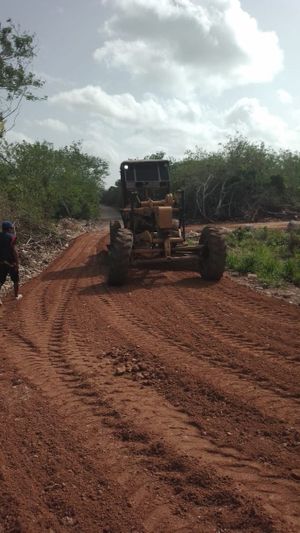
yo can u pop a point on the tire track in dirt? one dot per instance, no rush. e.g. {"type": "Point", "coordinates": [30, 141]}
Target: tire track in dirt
{"type": "Point", "coordinates": [200, 325]}
{"type": "Point", "coordinates": [161, 439]}
{"type": "Point", "coordinates": [148, 433]}
{"type": "Point", "coordinates": [250, 337]}
{"type": "Point", "coordinates": [236, 410]}
{"type": "Point", "coordinates": [259, 305]}
{"type": "Point", "coordinates": [69, 389]}
{"type": "Point", "coordinates": [114, 391]}
{"type": "Point", "coordinates": [269, 402]}
{"type": "Point", "coordinates": [48, 482]}
{"type": "Point", "coordinates": [150, 441]}
{"type": "Point", "coordinates": [248, 326]}
{"type": "Point", "coordinates": [229, 461]}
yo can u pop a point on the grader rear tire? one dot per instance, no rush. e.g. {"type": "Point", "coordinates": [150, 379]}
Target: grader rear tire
{"type": "Point", "coordinates": [212, 258]}
{"type": "Point", "coordinates": [119, 256]}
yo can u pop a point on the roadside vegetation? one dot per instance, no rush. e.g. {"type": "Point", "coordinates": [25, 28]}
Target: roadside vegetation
{"type": "Point", "coordinates": [272, 255]}
{"type": "Point", "coordinates": [40, 184]}
{"type": "Point", "coordinates": [242, 180]}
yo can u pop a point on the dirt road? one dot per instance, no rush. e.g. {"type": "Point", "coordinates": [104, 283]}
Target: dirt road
{"type": "Point", "coordinates": [168, 405]}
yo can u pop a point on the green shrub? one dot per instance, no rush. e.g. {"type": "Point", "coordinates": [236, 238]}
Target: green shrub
{"type": "Point", "coordinates": [266, 253]}
{"type": "Point", "coordinates": [240, 262]}
{"type": "Point", "coordinates": [291, 271]}
{"type": "Point", "coordinates": [39, 183]}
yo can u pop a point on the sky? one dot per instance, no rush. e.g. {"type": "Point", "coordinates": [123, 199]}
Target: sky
{"type": "Point", "coordinates": [129, 78]}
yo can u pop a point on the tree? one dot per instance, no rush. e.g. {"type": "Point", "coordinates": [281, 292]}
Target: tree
{"type": "Point", "coordinates": [241, 179]}
{"type": "Point", "coordinates": [155, 155]}
{"type": "Point", "coordinates": [39, 183]}
{"type": "Point", "coordinates": [17, 50]}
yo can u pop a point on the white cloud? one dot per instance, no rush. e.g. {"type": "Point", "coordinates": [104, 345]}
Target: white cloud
{"type": "Point", "coordinates": [14, 136]}
{"type": "Point", "coordinates": [171, 117]}
{"type": "Point", "coordinates": [284, 97]}
{"type": "Point", "coordinates": [119, 126]}
{"type": "Point", "coordinates": [169, 55]}
{"type": "Point", "coordinates": [182, 47]}
{"type": "Point", "coordinates": [157, 113]}
{"type": "Point", "coordinates": [257, 122]}
{"type": "Point", "coordinates": [53, 124]}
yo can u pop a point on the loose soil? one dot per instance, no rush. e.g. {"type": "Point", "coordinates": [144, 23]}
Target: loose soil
{"type": "Point", "coordinates": [170, 404]}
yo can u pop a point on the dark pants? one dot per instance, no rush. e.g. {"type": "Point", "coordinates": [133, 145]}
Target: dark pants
{"type": "Point", "coordinates": [7, 270]}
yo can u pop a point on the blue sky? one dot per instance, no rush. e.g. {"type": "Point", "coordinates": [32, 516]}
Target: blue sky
{"type": "Point", "coordinates": [130, 77]}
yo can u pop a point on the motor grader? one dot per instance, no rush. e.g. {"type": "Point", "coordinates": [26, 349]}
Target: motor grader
{"type": "Point", "coordinates": [153, 231]}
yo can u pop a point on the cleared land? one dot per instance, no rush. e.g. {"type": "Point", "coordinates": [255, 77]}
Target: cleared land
{"type": "Point", "coordinates": [170, 404]}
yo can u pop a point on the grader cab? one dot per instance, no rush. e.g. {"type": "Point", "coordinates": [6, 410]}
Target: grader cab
{"type": "Point", "coordinates": [153, 230]}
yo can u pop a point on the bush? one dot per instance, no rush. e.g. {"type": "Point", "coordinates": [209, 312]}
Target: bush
{"type": "Point", "coordinates": [240, 262]}
{"type": "Point", "coordinates": [291, 270]}
{"type": "Point", "coordinates": [39, 183]}
{"type": "Point", "coordinates": [265, 253]}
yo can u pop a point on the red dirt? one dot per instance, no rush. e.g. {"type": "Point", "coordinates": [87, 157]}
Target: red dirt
{"type": "Point", "coordinates": [170, 404]}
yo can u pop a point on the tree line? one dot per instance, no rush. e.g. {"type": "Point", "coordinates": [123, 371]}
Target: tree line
{"type": "Point", "coordinates": [242, 179]}
{"type": "Point", "coordinates": [40, 183]}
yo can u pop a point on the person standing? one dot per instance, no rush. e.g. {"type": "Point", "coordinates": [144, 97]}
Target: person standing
{"type": "Point", "coordinates": [9, 259]}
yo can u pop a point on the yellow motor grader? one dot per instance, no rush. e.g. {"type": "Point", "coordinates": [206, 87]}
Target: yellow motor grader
{"type": "Point", "coordinates": [153, 230]}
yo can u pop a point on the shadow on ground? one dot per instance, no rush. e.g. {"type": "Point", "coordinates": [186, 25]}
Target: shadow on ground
{"type": "Point", "coordinates": [152, 281]}
{"type": "Point", "coordinates": [92, 268]}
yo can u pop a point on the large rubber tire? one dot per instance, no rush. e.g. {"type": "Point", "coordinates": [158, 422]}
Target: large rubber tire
{"type": "Point", "coordinates": [114, 226]}
{"type": "Point", "coordinates": [119, 256]}
{"type": "Point", "coordinates": [212, 258]}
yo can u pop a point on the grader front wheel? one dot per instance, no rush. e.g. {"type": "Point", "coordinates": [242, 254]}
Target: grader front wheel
{"type": "Point", "coordinates": [114, 226]}
{"type": "Point", "coordinates": [213, 254]}
{"type": "Point", "coordinates": [119, 256]}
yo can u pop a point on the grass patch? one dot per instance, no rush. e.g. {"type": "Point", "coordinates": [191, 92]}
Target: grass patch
{"type": "Point", "coordinates": [274, 256]}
